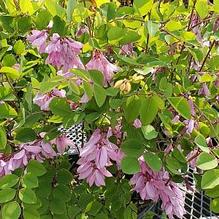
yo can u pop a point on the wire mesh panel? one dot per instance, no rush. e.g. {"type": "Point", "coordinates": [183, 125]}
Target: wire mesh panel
{"type": "Point", "coordinates": [197, 205]}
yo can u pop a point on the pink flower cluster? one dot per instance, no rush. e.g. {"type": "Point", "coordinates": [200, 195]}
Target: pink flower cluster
{"type": "Point", "coordinates": [100, 63]}
{"type": "Point", "coordinates": [37, 150]}
{"type": "Point", "coordinates": [156, 185]}
{"type": "Point", "coordinates": [43, 100]}
{"type": "Point", "coordinates": [97, 154]}
{"type": "Point", "coordinates": [62, 52]}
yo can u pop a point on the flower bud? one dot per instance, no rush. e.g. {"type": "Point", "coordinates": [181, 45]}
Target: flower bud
{"type": "Point", "coordinates": [137, 78]}
{"type": "Point", "coordinates": [123, 85]}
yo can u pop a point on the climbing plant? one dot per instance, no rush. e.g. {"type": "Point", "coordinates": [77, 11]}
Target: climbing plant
{"type": "Point", "coordinates": [141, 79]}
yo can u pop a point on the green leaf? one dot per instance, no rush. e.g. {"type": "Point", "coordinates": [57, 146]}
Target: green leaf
{"type": "Point", "coordinates": [201, 7]}
{"type": "Point", "coordinates": [152, 28]}
{"type": "Point", "coordinates": [42, 19]}
{"type": "Point", "coordinates": [24, 24]}
{"type": "Point", "coordinates": [11, 210]}
{"type": "Point", "coordinates": [129, 37]}
{"type": "Point", "coordinates": [70, 8]}
{"type": "Point", "coordinates": [74, 87]}
{"type": "Point", "coordinates": [19, 47]}
{"type": "Point", "coordinates": [153, 161]}
{"type": "Point", "coordinates": [102, 216]}
{"type": "Point", "coordinates": [26, 7]}
{"type": "Point", "coordinates": [174, 25]}
{"type": "Point", "coordinates": [131, 108]}
{"type": "Point", "coordinates": [57, 206]}
{"type": "Point", "coordinates": [206, 161]}
{"type": "Point", "coordinates": [213, 193]}
{"type": "Point", "coordinates": [132, 147]}
{"type": "Point", "coordinates": [27, 196]}
{"type": "Point", "coordinates": [200, 141]}
{"type": "Point", "coordinates": [30, 181]}
{"type": "Point", "coordinates": [88, 88]}
{"type": "Point", "coordinates": [181, 105]}
{"type": "Point", "coordinates": [210, 179]}
{"type": "Point", "coordinates": [31, 213]}
{"type": "Point", "coordinates": [214, 206]}
{"type": "Point", "coordinates": [10, 72]}
{"type": "Point", "coordinates": [97, 77]}
{"type": "Point", "coordinates": [60, 107]}
{"type": "Point", "coordinates": [148, 110]}
{"type": "Point", "coordinates": [7, 195]}
{"type": "Point", "coordinates": [115, 33]}
{"type": "Point", "coordinates": [130, 165]}
{"type": "Point", "coordinates": [62, 192]}
{"type": "Point", "coordinates": [8, 181]}
{"type": "Point", "coordinates": [143, 7]}
{"type": "Point", "coordinates": [149, 132]}
{"type": "Point", "coordinates": [25, 135]}
{"type": "Point", "coordinates": [58, 26]}
{"type": "Point", "coordinates": [36, 168]}
{"type": "Point", "coordinates": [6, 111]}
{"type": "Point", "coordinates": [64, 177]}
{"type": "Point", "coordinates": [99, 95]}
{"type": "Point", "coordinates": [3, 138]}
{"type": "Point", "coordinates": [82, 74]}
{"type": "Point", "coordinates": [54, 8]}
{"type": "Point", "coordinates": [9, 60]}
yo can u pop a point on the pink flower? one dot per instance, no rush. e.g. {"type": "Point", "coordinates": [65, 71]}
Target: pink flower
{"type": "Point", "coordinates": [100, 63]}
{"type": "Point", "coordinates": [192, 157]}
{"type": "Point", "coordinates": [192, 107]}
{"type": "Point", "coordinates": [137, 123]}
{"type": "Point", "coordinates": [84, 98]}
{"type": "Point", "coordinates": [196, 27]}
{"type": "Point", "coordinates": [156, 185]}
{"type": "Point", "coordinates": [97, 154]}
{"type": "Point", "coordinates": [127, 49]}
{"type": "Point", "coordinates": [93, 175]}
{"type": "Point", "coordinates": [204, 91]}
{"type": "Point", "coordinates": [64, 53]}
{"type": "Point", "coordinates": [43, 100]}
{"type": "Point", "coordinates": [62, 143]}
{"type": "Point", "coordinates": [37, 150]}
{"type": "Point", "coordinates": [191, 124]}
{"type": "Point", "coordinates": [4, 170]}
{"type": "Point", "coordinates": [81, 30]}
{"type": "Point", "coordinates": [38, 39]}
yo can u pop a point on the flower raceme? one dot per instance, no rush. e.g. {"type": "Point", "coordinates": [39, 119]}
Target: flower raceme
{"type": "Point", "coordinates": [36, 150]}
{"type": "Point", "coordinates": [156, 185]}
{"type": "Point", "coordinates": [63, 53]}
{"type": "Point", "coordinates": [100, 63]}
{"type": "Point", "coordinates": [97, 154]}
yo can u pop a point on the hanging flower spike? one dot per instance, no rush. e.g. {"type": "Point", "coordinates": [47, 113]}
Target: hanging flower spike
{"type": "Point", "coordinates": [156, 185]}
{"type": "Point", "coordinates": [43, 100]}
{"type": "Point", "coordinates": [38, 39]}
{"type": "Point", "coordinates": [64, 53]}
{"type": "Point", "coordinates": [100, 63]}
{"type": "Point", "coordinates": [96, 155]}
